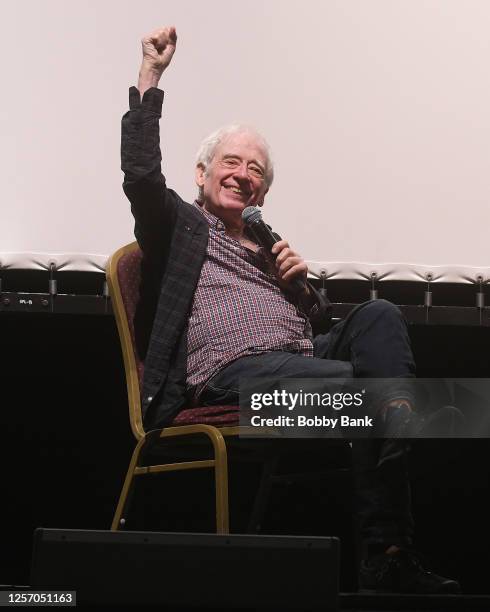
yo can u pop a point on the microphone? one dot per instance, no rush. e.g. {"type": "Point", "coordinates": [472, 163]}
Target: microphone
{"type": "Point", "coordinates": [252, 217]}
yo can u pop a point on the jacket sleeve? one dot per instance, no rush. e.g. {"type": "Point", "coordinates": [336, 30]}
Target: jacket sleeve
{"type": "Point", "coordinates": [317, 308]}
{"type": "Point", "coordinates": [153, 205]}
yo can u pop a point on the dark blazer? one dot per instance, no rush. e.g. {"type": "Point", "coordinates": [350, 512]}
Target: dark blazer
{"type": "Point", "coordinates": [173, 236]}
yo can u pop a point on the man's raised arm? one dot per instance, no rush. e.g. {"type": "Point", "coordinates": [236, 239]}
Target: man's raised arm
{"type": "Point", "coordinates": [152, 204]}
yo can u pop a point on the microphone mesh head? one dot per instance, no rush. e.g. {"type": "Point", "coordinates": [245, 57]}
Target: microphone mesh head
{"type": "Point", "coordinates": [251, 214]}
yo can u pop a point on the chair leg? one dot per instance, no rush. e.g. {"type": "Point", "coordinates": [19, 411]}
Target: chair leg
{"type": "Point", "coordinates": [128, 486]}
{"type": "Point", "coordinates": [262, 495]}
{"type": "Point", "coordinates": [221, 485]}
{"type": "Point", "coordinates": [220, 473]}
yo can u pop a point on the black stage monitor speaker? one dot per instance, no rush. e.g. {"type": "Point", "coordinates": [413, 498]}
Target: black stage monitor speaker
{"type": "Point", "coordinates": [189, 570]}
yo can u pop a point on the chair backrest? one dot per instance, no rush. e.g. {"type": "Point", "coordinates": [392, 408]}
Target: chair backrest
{"type": "Point", "coordinates": [123, 278]}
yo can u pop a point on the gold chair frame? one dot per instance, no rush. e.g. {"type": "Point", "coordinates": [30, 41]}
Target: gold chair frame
{"type": "Point", "coordinates": [215, 435]}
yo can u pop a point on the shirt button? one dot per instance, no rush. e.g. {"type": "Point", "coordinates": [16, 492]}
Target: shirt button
{"type": "Point", "coordinates": [149, 398]}
{"type": "Point", "coordinates": [187, 228]}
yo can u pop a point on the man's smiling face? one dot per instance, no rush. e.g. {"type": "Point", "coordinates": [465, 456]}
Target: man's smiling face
{"type": "Point", "coordinates": [235, 177]}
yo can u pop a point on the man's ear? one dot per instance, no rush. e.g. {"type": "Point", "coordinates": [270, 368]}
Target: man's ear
{"type": "Point", "coordinates": [262, 202]}
{"type": "Point", "coordinates": [200, 174]}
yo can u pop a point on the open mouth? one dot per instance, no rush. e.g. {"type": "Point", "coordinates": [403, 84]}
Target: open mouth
{"type": "Point", "coordinates": [236, 190]}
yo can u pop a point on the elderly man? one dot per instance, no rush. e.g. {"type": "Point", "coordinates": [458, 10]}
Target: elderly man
{"type": "Point", "coordinates": [213, 308]}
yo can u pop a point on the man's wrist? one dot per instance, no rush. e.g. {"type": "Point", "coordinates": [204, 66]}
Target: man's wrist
{"type": "Point", "coordinates": [148, 77]}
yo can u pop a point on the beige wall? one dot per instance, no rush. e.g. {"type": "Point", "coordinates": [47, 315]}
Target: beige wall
{"type": "Point", "coordinates": [377, 112]}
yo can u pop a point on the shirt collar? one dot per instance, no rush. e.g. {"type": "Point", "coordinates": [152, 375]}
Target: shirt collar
{"type": "Point", "coordinates": [213, 221]}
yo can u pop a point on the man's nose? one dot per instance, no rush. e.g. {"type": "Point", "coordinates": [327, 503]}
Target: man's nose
{"type": "Point", "coordinates": [241, 171]}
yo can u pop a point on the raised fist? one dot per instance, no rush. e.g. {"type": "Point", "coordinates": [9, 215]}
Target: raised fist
{"type": "Point", "coordinates": [158, 49]}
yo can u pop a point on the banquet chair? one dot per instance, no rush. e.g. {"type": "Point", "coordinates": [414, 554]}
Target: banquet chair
{"type": "Point", "coordinates": [219, 425]}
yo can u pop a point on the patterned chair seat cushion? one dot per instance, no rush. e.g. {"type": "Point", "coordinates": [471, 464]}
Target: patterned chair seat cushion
{"type": "Point", "coordinates": [219, 416]}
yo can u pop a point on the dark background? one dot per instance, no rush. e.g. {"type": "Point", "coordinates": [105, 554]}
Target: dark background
{"type": "Point", "coordinates": [66, 445]}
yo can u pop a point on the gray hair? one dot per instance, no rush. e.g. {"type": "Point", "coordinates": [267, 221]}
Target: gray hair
{"type": "Point", "coordinates": [208, 146]}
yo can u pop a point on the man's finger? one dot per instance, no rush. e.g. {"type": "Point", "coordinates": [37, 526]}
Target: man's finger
{"type": "Point", "coordinates": [298, 270]}
{"type": "Point", "coordinates": [279, 246]}
{"type": "Point", "coordinates": [289, 263]}
{"type": "Point", "coordinates": [284, 254]}
{"type": "Point", "coordinates": [172, 35]}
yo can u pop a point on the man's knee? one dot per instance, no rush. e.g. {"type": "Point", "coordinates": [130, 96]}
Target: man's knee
{"type": "Point", "coordinates": [383, 309]}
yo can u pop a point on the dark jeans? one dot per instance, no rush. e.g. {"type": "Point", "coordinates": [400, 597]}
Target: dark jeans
{"type": "Point", "coordinates": [374, 339]}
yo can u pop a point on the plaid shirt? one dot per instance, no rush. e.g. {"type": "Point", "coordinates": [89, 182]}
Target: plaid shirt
{"type": "Point", "coordinates": [238, 309]}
